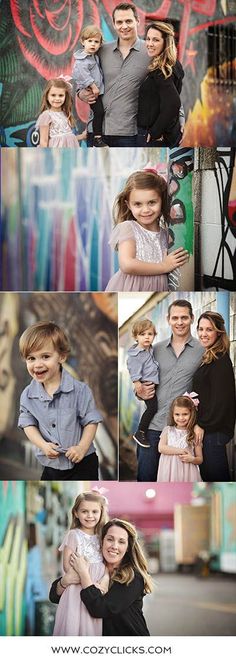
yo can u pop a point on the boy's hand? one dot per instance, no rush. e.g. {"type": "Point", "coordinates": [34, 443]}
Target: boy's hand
{"type": "Point", "coordinates": [75, 454]}
{"type": "Point", "coordinates": [50, 450]}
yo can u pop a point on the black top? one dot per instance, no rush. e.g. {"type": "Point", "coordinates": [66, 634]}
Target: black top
{"type": "Point", "coordinates": [215, 386]}
{"type": "Point", "coordinates": [159, 103]}
{"type": "Point", "coordinates": [120, 608]}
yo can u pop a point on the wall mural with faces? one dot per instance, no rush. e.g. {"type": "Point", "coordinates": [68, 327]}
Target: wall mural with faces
{"type": "Point", "coordinates": [38, 42]}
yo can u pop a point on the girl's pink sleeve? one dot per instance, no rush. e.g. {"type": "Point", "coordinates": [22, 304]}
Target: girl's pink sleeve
{"type": "Point", "coordinates": [44, 119]}
{"type": "Point", "coordinates": [70, 540]}
{"type": "Point", "coordinates": [121, 232]}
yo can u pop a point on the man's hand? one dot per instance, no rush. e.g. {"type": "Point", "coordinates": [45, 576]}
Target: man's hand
{"type": "Point", "coordinates": [145, 390]}
{"type": "Point", "coordinates": [87, 96]}
{"type": "Point", "coordinates": [75, 454]}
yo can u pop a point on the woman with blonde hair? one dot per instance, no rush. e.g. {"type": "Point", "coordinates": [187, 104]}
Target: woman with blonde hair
{"type": "Point", "coordinates": [121, 607]}
{"type": "Point", "coordinates": [214, 382]}
{"type": "Point", "coordinates": [159, 95]}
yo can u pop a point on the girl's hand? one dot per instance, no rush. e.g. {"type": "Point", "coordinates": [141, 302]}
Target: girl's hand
{"type": "Point", "coordinates": [186, 457]}
{"type": "Point", "coordinates": [175, 259]}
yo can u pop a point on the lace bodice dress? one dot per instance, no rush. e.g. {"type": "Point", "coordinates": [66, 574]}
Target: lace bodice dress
{"type": "Point", "coordinates": [150, 247]}
{"type": "Point", "coordinates": [60, 132]}
{"type": "Point", "coordinates": [171, 468]}
{"type": "Point", "coordinates": [72, 617]}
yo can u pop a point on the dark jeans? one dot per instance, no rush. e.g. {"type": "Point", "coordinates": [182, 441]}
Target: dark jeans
{"type": "Point", "coordinates": [87, 469]}
{"type": "Point", "coordinates": [147, 416]}
{"type": "Point", "coordinates": [148, 458]}
{"type": "Point", "coordinates": [114, 140]}
{"type": "Point", "coordinates": [215, 467]}
{"type": "Point", "coordinates": [98, 114]}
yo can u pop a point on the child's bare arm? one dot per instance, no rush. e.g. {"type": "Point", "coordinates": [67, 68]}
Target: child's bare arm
{"type": "Point", "coordinates": [131, 265]}
{"type": "Point", "coordinates": [188, 458]}
{"type": "Point", "coordinates": [77, 452]}
{"type": "Point", "coordinates": [43, 136]}
{"type": "Point", "coordinates": [48, 448]}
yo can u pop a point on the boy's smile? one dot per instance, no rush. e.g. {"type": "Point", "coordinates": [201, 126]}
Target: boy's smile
{"type": "Point", "coordinates": [44, 365]}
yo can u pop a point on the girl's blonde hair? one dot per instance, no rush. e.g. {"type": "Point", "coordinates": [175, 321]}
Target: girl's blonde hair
{"type": "Point", "coordinates": [142, 325]}
{"type": "Point", "coordinates": [167, 58]}
{"type": "Point", "coordinates": [187, 403]}
{"type": "Point", "coordinates": [133, 560]}
{"type": "Point", "coordinates": [90, 31]}
{"type": "Point", "coordinates": [59, 83]}
{"type": "Point", "coordinates": [140, 180]}
{"type": "Point", "coordinates": [221, 345]}
{"type": "Point", "coordinates": [90, 497]}
{"type": "Point", "coordinates": [35, 336]}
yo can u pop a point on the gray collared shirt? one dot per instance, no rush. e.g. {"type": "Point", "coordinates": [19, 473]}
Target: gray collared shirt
{"type": "Point", "coordinates": [87, 70]}
{"type": "Point", "coordinates": [122, 79]}
{"type": "Point", "coordinates": [176, 375]}
{"type": "Point", "coordinates": [142, 365]}
{"type": "Point", "coordinates": [60, 418]}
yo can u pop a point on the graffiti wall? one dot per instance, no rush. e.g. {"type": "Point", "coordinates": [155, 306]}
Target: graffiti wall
{"type": "Point", "coordinates": [90, 320]}
{"type": "Point", "coordinates": [156, 308]}
{"type": "Point", "coordinates": [38, 41]}
{"type": "Point", "coordinates": [13, 558]}
{"type": "Point", "coordinates": [57, 215]}
{"type": "Point", "coordinates": [215, 217]}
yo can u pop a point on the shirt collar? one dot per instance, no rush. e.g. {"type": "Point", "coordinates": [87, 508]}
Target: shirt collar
{"type": "Point", "coordinates": [189, 341]}
{"type": "Point", "coordinates": [135, 46]}
{"type": "Point", "coordinates": [135, 349]}
{"type": "Point", "coordinates": [37, 391]}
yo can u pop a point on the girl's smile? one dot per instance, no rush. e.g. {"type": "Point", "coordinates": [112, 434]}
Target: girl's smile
{"type": "Point", "coordinates": [89, 514]}
{"type": "Point", "coordinates": [56, 97]}
{"type": "Point", "coordinates": [145, 206]}
{"type": "Point", "coordinates": [181, 416]}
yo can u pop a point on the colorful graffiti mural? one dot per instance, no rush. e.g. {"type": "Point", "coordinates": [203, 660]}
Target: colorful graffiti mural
{"type": "Point", "coordinates": [57, 215]}
{"type": "Point", "coordinates": [91, 323]}
{"type": "Point", "coordinates": [13, 558]}
{"type": "Point", "coordinates": [38, 41]}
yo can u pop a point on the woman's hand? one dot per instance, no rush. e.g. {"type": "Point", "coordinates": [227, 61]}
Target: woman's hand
{"type": "Point", "coordinates": [198, 435]}
{"type": "Point", "coordinates": [79, 563]}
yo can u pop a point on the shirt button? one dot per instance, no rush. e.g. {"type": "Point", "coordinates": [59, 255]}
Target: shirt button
{"type": "Point", "coordinates": [53, 424]}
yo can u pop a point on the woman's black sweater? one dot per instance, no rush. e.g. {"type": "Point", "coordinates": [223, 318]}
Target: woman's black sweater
{"type": "Point", "coordinates": [215, 386]}
{"type": "Point", "coordinates": [159, 103]}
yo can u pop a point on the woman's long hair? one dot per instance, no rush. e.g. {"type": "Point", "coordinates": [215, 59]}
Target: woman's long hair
{"type": "Point", "coordinates": [167, 58]}
{"type": "Point", "coordinates": [221, 345]}
{"type": "Point", "coordinates": [133, 560]}
{"type": "Point", "coordinates": [59, 83]}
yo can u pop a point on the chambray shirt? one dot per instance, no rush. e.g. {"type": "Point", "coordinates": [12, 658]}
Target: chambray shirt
{"type": "Point", "coordinates": [142, 365]}
{"type": "Point", "coordinates": [122, 79]}
{"type": "Point", "coordinates": [176, 375]}
{"type": "Point", "coordinates": [87, 70]}
{"type": "Point", "coordinates": [60, 418]}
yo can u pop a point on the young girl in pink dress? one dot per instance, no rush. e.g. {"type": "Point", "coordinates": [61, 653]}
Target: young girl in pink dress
{"type": "Point", "coordinates": [180, 457]}
{"type": "Point", "coordinates": [56, 121]}
{"type": "Point", "coordinates": [141, 236]}
{"type": "Point", "coordinates": [89, 514]}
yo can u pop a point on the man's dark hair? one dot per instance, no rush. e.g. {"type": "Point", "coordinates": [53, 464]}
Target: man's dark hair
{"type": "Point", "coordinates": [124, 6]}
{"type": "Point", "coordinates": [181, 303]}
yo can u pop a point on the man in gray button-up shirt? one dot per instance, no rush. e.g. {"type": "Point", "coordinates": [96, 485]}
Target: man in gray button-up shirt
{"type": "Point", "coordinates": [178, 358]}
{"type": "Point", "coordinates": [125, 65]}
